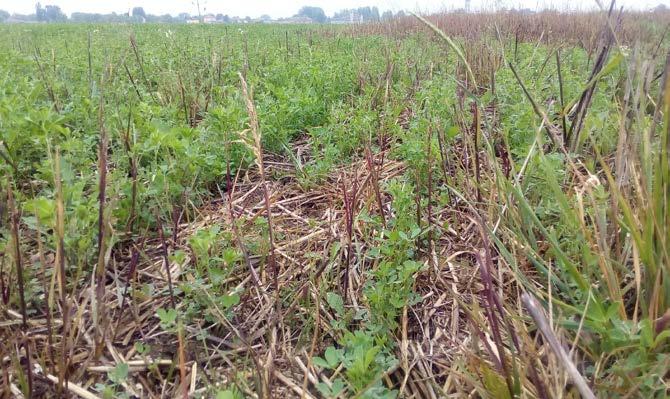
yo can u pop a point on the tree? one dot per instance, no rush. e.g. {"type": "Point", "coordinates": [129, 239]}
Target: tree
{"type": "Point", "coordinates": [387, 15]}
{"type": "Point", "coordinates": [84, 17]}
{"type": "Point", "coordinates": [49, 13]}
{"type": "Point", "coordinates": [365, 12]}
{"type": "Point", "coordinates": [362, 14]}
{"type": "Point", "coordinates": [39, 12]}
{"type": "Point", "coordinates": [4, 15]}
{"type": "Point", "coordinates": [139, 12]}
{"type": "Point", "coordinates": [165, 18]}
{"type": "Point", "coordinates": [314, 13]}
{"type": "Point", "coordinates": [162, 19]}
{"type": "Point", "coordinates": [138, 15]}
{"type": "Point", "coordinates": [54, 14]}
{"type": "Point", "coordinates": [223, 18]}
{"type": "Point", "coordinates": [375, 14]}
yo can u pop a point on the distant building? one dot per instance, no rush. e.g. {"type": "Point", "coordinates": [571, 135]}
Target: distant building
{"type": "Point", "coordinates": [209, 19]}
{"type": "Point", "coordinates": [192, 21]}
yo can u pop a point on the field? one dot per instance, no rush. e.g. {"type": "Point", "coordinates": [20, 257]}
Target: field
{"type": "Point", "coordinates": [472, 205]}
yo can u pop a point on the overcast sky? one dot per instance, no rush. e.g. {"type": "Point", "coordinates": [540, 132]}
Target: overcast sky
{"type": "Point", "coordinates": [285, 8]}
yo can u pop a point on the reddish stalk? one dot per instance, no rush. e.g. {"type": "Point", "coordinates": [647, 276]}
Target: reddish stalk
{"type": "Point", "coordinates": [132, 267]}
{"type": "Point", "coordinates": [374, 175]}
{"type": "Point", "coordinates": [182, 92]}
{"type": "Point", "coordinates": [136, 51]}
{"type": "Point", "coordinates": [100, 270]}
{"type": "Point", "coordinates": [133, 173]}
{"type": "Point", "coordinates": [47, 293]}
{"type": "Point", "coordinates": [562, 97]}
{"type": "Point", "coordinates": [173, 303]}
{"type": "Point", "coordinates": [166, 260]}
{"type": "Point", "coordinates": [16, 239]}
{"type": "Point", "coordinates": [417, 200]}
{"type": "Point", "coordinates": [444, 156]}
{"type": "Point", "coordinates": [349, 199]}
{"type": "Point", "coordinates": [494, 303]}
{"type": "Point", "coordinates": [132, 81]}
{"type": "Point", "coordinates": [60, 264]}
{"type": "Point", "coordinates": [50, 91]}
{"type": "Point", "coordinates": [476, 127]}
{"type": "Point", "coordinates": [429, 207]}
{"type": "Point", "coordinates": [10, 162]}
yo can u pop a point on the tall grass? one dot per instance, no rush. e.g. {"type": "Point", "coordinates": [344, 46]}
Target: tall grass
{"type": "Point", "coordinates": [600, 264]}
{"type": "Point", "coordinates": [553, 28]}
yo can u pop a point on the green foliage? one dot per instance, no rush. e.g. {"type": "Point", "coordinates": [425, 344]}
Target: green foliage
{"type": "Point", "coordinates": [168, 318]}
{"type": "Point", "coordinates": [176, 161]}
{"type": "Point", "coordinates": [119, 374]}
{"type": "Point", "coordinates": [334, 390]}
{"type": "Point", "coordinates": [117, 377]}
{"type": "Point", "coordinates": [367, 353]}
{"type": "Point", "coordinates": [391, 286]}
{"type": "Point", "coordinates": [364, 359]}
{"type": "Point", "coordinates": [229, 394]}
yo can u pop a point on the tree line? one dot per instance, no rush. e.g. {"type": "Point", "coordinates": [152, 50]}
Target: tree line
{"type": "Point", "coordinates": [53, 13]}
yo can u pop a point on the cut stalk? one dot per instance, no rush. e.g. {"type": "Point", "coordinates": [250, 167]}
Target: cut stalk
{"type": "Point", "coordinates": [60, 264]}
{"type": "Point", "coordinates": [374, 175]}
{"type": "Point", "coordinates": [100, 272]}
{"type": "Point", "coordinates": [16, 240]}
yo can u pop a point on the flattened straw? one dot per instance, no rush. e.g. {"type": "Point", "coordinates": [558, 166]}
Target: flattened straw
{"type": "Point", "coordinates": [74, 388]}
{"type": "Point", "coordinates": [536, 312]}
{"type": "Point", "coordinates": [294, 387]}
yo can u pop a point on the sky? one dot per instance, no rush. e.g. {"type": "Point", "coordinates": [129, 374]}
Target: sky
{"type": "Point", "coordinates": [286, 8]}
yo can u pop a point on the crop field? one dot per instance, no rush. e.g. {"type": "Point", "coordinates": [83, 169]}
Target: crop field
{"type": "Point", "coordinates": [467, 205]}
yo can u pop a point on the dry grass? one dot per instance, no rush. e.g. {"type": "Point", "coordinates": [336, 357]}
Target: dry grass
{"type": "Point", "coordinates": [547, 27]}
{"type": "Point", "coordinates": [310, 225]}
